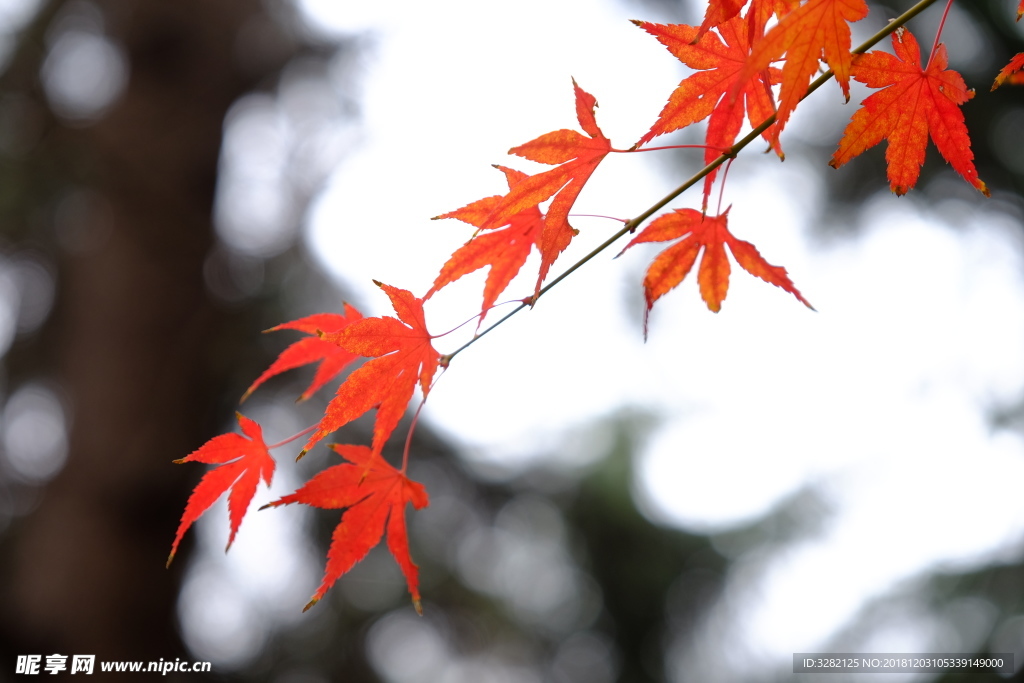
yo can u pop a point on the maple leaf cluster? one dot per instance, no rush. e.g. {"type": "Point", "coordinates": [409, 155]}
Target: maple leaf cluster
{"type": "Point", "coordinates": [373, 492]}
{"type": "Point", "coordinates": [744, 71]}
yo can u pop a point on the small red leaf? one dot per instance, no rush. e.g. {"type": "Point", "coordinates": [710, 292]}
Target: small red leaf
{"type": "Point", "coordinates": [402, 355]}
{"type": "Point", "coordinates": [712, 235]}
{"type": "Point", "coordinates": [1011, 73]}
{"type": "Point", "coordinates": [374, 495]}
{"type": "Point", "coordinates": [505, 250]}
{"type": "Point", "coordinates": [578, 156]}
{"type": "Point", "coordinates": [243, 462]}
{"type": "Point", "coordinates": [333, 358]}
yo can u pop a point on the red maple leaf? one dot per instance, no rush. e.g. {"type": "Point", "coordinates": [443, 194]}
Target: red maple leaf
{"type": "Point", "coordinates": [704, 93]}
{"type": "Point", "coordinates": [243, 461]}
{"type": "Point", "coordinates": [1020, 10]}
{"type": "Point", "coordinates": [402, 354]}
{"type": "Point", "coordinates": [1011, 73]}
{"type": "Point", "coordinates": [374, 494]}
{"type": "Point", "coordinates": [817, 30]}
{"type": "Point", "coordinates": [913, 102]}
{"type": "Point", "coordinates": [577, 157]}
{"type": "Point", "coordinates": [504, 250]}
{"type": "Point", "coordinates": [332, 357]}
{"type": "Point", "coordinates": [711, 234]}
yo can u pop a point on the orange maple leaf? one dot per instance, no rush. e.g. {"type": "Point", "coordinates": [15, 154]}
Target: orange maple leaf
{"type": "Point", "coordinates": [816, 30]}
{"type": "Point", "coordinates": [1011, 73]}
{"type": "Point", "coordinates": [333, 358]}
{"type": "Point", "coordinates": [504, 250]}
{"type": "Point", "coordinates": [402, 354]}
{"type": "Point", "coordinates": [578, 157]}
{"type": "Point", "coordinates": [243, 461]}
{"type": "Point", "coordinates": [704, 93]}
{"type": "Point", "coordinates": [711, 234]}
{"type": "Point", "coordinates": [912, 103]}
{"type": "Point", "coordinates": [1020, 10]}
{"type": "Point", "coordinates": [374, 494]}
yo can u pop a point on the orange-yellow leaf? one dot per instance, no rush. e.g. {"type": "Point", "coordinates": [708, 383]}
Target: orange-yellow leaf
{"type": "Point", "coordinates": [912, 104]}
{"type": "Point", "coordinates": [243, 461]}
{"type": "Point", "coordinates": [505, 250]}
{"type": "Point", "coordinates": [332, 358]}
{"type": "Point", "coordinates": [817, 30]}
{"type": "Point", "coordinates": [578, 156]}
{"type": "Point", "coordinates": [374, 495]}
{"type": "Point", "coordinates": [705, 93]}
{"type": "Point", "coordinates": [1011, 73]}
{"type": "Point", "coordinates": [710, 233]}
{"type": "Point", "coordinates": [402, 355]}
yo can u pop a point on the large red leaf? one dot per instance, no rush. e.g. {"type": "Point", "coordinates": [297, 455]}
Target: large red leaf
{"type": "Point", "coordinates": [402, 354]}
{"type": "Point", "coordinates": [913, 102]}
{"type": "Point", "coordinates": [332, 357]}
{"type": "Point", "coordinates": [243, 461]}
{"type": "Point", "coordinates": [710, 233]}
{"type": "Point", "coordinates": [374, 494]}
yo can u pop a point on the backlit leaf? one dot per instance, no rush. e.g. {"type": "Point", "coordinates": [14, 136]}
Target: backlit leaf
{"type": "Point", "coordinates": [719, 62]}
{"type": "Point", "coordinates": [505, 250]}
{"type": "Point", "coordinates": [374, 495]}
{"type": "Point", "coordinates": [577, 157]}
{"type": "Point", "coordinates": [710, 234]}
{"type": "Point", "coordinates": [332, 358]}
{"type": "Point", "coordinates": [818, 30]}
{"type": "Point", "coordinates": [912, 104]}
{"type": "Point", "coordinates": [243, 461]}
{"type": "Point", "coordinates": [402, 355]}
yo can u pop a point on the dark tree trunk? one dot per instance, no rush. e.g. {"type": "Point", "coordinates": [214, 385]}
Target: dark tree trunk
{"type": "Point", "coordinates": [129, 341]}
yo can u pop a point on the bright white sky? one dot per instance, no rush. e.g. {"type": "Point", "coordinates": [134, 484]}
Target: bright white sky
{"type": "Point", "coordinates": [880, 398]}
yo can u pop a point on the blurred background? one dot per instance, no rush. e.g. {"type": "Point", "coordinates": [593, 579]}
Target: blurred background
{"type": "Point", "coordinates": [178, 175]}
